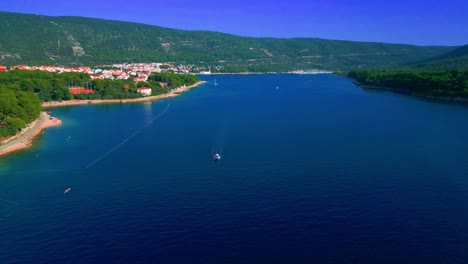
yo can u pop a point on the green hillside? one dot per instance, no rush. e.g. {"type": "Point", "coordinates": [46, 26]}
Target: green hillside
{"type": "Point", "coordinates": [456, 59]}
{"type": "Point", "coordinates": [34, 39]}
{"type": "Point", "coordinates": [454, 54]}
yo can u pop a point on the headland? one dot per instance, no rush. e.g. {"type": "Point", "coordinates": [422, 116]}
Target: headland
{"type": "Point", "coordinates": [24, 139]}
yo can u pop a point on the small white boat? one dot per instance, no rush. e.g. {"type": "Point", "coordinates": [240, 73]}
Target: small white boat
{"type": "Point", "coordinates": [217, 157]}
{"type": "Point", "coordinates": [67, 190]}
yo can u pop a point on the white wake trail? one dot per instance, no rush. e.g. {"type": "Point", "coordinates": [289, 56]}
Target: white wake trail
{"type": "Point", "coordinates": [128, 138]}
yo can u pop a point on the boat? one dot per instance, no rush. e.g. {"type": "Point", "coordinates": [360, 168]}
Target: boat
{"type": "Point", "coordinates": [67, 190]}
{"type": "Point", "coordinates": [217, 157]}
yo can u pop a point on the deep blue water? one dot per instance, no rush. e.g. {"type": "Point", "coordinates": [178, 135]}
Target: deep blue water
{"type": "Point", "coordinates": [314, 171]}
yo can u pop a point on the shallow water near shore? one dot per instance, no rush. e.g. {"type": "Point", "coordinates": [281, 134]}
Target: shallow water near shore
{"type": "Point", "coordinates": [313, 170]}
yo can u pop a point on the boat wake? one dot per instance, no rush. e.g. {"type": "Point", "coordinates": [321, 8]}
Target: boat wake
{"type": "Point", "coordinates": [128, 138]}
{"type": "Point", "coordinates": [97, 159]}
{"type": "Point", "coordinates": [7, 208]}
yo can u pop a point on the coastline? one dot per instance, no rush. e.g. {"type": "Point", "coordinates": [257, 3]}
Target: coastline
{"type": "Point", "coordinates": [254, 73]}
{"type": "Point", "coordinates": [173, 93]}
{"type": "Point", "coordinates": [459, 100]}
{"type": "Point", "coordinates": [25, 138]}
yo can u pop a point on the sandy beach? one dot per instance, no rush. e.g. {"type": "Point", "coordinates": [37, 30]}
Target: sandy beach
{"type": "Point", "coordinates": [24, 139]}
{"type": "Point", "coordinates": [173, 93]}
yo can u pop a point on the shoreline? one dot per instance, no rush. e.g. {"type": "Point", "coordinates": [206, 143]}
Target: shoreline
{"type": "Point", "coordinates": [452, 100]}
{"type": "Point", "coordinates": [253, 73]}
{"type": "Point", "coordinates": [24, 139]}
{"type": "Point", "coordinates": [173, 93]}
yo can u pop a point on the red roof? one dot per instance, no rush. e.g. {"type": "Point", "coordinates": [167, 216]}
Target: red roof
{"type": "Point", "coordinates": [144, 88]}
{"type": "Point", "coordinates": [77, 90]}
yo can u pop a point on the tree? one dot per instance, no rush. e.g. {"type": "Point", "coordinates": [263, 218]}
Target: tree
{"type": "Point", "coordinates": [17, 108]}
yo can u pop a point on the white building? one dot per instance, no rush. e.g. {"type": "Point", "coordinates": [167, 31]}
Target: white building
{"type": "Point", "coordinates": [144, 91]}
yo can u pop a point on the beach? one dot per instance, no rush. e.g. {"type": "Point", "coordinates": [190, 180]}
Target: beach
{"type": "Point", "coordinates": [24, 139]}
{"type": "Point", "coordinates": [173, 93]}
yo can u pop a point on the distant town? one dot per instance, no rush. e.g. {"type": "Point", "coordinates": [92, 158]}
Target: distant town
{"type": "Point", "coordinates": [137, 71]}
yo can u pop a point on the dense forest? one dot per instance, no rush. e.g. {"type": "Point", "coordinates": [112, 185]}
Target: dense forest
{"type": "Point", "coordinates": [174, 80]}
{"type": "Point", "coordinates": [435, 83]}
{"type": "Point", "coordinates": [17, 109]}
{"type": "Point", "coordinates": [21, 92]}
{"type": "Point", "coordinates": [34, 39]}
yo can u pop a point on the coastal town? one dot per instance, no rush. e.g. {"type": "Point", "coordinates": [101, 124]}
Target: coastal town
{"type": "Point", "coordinates": [121, 71]}
{"type": "Point", "coordinates": [137, 71]}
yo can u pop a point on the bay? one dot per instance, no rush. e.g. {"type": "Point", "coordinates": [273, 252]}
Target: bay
{"type": "Point", "coordinates": [313, 169]}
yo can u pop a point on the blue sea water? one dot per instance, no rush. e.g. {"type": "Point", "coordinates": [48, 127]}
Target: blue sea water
{"type": "Point", "coordinates": [313, 170]}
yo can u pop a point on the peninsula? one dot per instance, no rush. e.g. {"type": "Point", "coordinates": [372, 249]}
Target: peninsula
{"type": "Point", "coordinates": [24, 138]}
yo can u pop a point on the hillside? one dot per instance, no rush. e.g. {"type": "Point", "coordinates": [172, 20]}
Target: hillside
{"type": "Point", "coordinates": [34, 39]}
{"type": "Point", "coordinates": [456, 53]}
{"type": "Point", "coordinates": [455, 59]}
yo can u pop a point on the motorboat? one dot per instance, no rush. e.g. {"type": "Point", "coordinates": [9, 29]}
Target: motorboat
{"type": "Point", "coordinates": [217, 157]}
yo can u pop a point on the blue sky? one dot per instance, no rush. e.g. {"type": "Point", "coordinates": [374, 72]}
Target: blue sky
{"type": "Point", "coordinates": [419, 22]}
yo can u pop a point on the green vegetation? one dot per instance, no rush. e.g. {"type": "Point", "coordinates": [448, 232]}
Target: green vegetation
{"type": "Point", "coordinates": [17, 109]}
{"type": "Point", "coordinates": [456, 53]}
{"type": "Point", "coordinates": [54, 87]}
{"type": "Point", "coordinates": [48, 86]}
{"type": "Point", "coordinates": [456, 59]}
{"type": "Point", "coordinates": [33, 39]}
{"type": "Point", "coordinates": [174, 80]}
{"type": "Point", "coordinates": [452, 83]}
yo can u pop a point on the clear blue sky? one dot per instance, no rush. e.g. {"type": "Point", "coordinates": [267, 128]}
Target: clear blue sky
{"type": "Point", "coordinates": [420, 22]}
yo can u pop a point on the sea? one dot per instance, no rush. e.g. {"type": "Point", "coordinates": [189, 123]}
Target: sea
{"type": "Point", "coordinates": [313, 169]}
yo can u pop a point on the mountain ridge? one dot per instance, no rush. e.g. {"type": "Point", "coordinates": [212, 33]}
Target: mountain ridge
{"type": "Point", "coordinates": [72, 40]}
{"type": "Point", "coordinates": [456, 59]}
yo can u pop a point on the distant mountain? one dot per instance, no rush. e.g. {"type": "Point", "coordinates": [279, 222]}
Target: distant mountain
{"type": "Point", "coordinates": [455, 59]}
{"type": "Point", "coordinates": [34, 39]}
{"type": "Point", "coordinates": [456, 53]}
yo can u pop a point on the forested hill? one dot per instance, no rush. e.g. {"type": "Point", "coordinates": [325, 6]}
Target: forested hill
{"type": "Point", "coordinates": [456, 59]}
{"type": "Point", "coordinates": [456, 53]}
{"type": "Point", "coordinates": [33, 39]}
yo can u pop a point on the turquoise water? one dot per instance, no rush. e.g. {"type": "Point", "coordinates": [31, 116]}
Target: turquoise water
{"type": "Point", "coordinates": [313, 170]}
